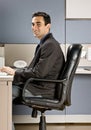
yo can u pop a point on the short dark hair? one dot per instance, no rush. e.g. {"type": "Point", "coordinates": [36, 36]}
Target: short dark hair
{"type": "Point", "coordinates": [46, 16]}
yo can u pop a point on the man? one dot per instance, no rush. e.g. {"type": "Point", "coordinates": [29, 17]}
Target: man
{"type": "Point", "coordinates": [47, 62]}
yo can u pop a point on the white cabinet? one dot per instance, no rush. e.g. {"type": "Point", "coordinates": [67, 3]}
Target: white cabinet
{"type": "Point", "coordinates": [6, 102]}
{"type": "Point", "coordinates": [78, 9]}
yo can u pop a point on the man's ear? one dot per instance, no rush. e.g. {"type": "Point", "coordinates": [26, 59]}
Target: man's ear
{"type": "Point", "coordinates": [48, 26]}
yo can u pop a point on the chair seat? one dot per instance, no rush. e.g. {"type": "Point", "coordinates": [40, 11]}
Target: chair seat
{"type": "Point", "coordinates": [43, 102]}
{"type": "Point", "coordinates": [36, 99]}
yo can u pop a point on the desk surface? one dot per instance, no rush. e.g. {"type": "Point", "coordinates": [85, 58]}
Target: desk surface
{"type": "Point", "coordinates": [8, 77]}
{"type": "Point", "coordinates": [83, 71]}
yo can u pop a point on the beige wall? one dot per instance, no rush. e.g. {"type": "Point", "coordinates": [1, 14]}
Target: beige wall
{"type": "Point", "coordinates": [15, 52]}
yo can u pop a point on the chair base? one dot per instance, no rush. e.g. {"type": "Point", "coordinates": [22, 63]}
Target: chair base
{"type": "Point", "coordinates": [34, 113]}
{"type": "Point", "coordinates": [42, 124]}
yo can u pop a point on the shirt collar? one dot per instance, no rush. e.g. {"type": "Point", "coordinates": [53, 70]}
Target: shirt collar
{"type": "Point", "coordinates": [43, 39]}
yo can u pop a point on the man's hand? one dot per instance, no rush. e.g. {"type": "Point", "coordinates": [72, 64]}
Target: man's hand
{"type": "Point", "coordinates": [8, 70]}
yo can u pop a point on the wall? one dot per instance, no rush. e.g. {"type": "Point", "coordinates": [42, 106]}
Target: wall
{"type": "Point", "coordinates": [18, 51]}
{"type": "Point", "coordinates": [16, 19]}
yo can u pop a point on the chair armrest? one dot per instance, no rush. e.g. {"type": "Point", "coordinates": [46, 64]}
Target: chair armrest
{"type": "Point", "coordinates": [46, 80]}
{"type": "Point", "coordinates": [63, 81]}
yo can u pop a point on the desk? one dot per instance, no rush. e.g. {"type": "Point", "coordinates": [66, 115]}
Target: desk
{"type": "Point", "coordinates": [6, 102]}
{"type": "Point", "coordinates": [83, 71]}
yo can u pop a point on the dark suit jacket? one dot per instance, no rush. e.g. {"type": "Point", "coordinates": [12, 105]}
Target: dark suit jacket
{"type": "Point", "coordinates": [47, 63]}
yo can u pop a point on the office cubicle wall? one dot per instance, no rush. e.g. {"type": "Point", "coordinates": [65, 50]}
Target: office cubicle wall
{"type": "Point", "coordinates": [17, 15]}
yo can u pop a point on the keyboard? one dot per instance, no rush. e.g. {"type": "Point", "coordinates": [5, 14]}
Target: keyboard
{"type": "Point", "coordinates": [3, 74]}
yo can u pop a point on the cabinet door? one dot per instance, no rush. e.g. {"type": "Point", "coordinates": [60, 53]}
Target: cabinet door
{"type": "Point", "coordinates": [5, 105]}
{"type": "Point", "coordinates": [78, 8]}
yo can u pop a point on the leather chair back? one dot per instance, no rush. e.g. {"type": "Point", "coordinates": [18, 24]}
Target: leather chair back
{"type": "Point", "coordinates": [63, 91]}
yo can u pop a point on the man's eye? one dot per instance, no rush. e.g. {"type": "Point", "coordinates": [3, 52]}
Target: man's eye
{"type": "Point", "coordinates": [39, 25]}
{"type": "Point", "coordinates": [32, 24]}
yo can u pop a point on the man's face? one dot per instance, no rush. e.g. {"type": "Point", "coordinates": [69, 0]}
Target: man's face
{"type": "Point", "coordinates": [39, 28]}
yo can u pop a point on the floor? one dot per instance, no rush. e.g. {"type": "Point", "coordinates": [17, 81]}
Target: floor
{"type": "Point", "coordinates": [55, 127]}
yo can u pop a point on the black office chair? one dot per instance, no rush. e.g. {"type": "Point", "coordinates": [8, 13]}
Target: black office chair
{"type": "Point", "coordinates": [62, 89]}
